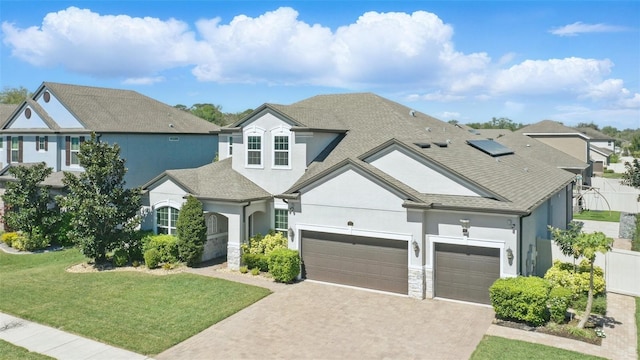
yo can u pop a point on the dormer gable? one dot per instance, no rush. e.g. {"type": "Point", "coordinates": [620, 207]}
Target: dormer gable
{"type": "Point", "coordinates": [56, 109]}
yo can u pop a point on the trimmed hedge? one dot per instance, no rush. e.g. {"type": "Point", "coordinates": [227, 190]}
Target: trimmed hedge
{"type": "Point", "coordinates": [166, 245]}
{"type": "Point", "coordinates": [253, 261]}
{"type": "Point", "coordinates": [521, 299]}
{"type": "Point", "coordinates": [284, 265]}
{"type": "Point", "coordinates": [152, 258]}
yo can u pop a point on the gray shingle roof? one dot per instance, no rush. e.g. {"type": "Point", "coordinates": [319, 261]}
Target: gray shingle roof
{"type": "Point", "coordinates": [594, 134]}
{"type": "Point", "coordinates": [6, 110]}
{"type": "Point", "coordinates": [537, 150]}
{"type": "Point", "coordinates": [549, 127]}
{"type": "Point", "coordinates": [372, 120]}
{"type": "Point", "coordinates": [124, 111]}
{"type": "Point", "coordinates": [216, 181]}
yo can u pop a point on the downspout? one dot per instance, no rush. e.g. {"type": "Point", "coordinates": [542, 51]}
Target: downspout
{"type": "Point", "coordinates": [520, 249]}
{"type": "Point", "coordinates": [244, 221]}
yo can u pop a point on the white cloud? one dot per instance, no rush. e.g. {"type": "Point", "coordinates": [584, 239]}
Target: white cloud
{"type": "Point", "coordinates": [449, 115]}
{"type": "Point", "coordinates": [581, 28]}
{"type": "Point", "coordinates": [144, 80]}
{"type": "Point", "coordinates": [86, 42]}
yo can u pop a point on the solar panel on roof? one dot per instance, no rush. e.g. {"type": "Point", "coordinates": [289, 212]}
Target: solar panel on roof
{"type": "Point", "coordinates": [490, 147]}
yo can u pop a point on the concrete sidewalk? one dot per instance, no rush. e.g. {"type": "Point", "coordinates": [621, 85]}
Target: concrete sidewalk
{"type": "Point", "coordinates": [58, 344]}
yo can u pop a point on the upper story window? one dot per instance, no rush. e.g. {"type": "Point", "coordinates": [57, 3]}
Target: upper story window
{"type": "Point", "coordinates": [166, 219]}
{"type": "Point", "coordinates": [254, 143]}
{"type": "Point", "coordinates": [73, 149]}
{"type": "Point", "coordinates": [15, 155]}
{"type": "Point", "coordinates": [1, 143]}
{"type": "Point", "coordinates": [230, 145]}
{"type": "Point", "coordinates": [42, 143]}
{"type": "Point", "coordinates": [281, 137]}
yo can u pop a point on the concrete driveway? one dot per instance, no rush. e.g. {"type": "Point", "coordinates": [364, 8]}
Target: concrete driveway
{"type": "Point", "coordinates": [318, 321]}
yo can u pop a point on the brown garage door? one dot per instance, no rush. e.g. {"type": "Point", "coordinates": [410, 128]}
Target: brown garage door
{"type": "Point", "coordinates": [373, 263]}
{"type": "Point", "coordinates": [465, 272]}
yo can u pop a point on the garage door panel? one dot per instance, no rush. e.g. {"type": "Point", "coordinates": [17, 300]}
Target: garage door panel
{"type": "Point", "coordinates": [465, 272]}
{"type": "Point", "coordinates": [373, 263]}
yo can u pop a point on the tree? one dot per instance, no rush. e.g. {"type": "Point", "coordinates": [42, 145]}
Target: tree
{"type": "Point", "coordinates": [631, 176]}
{"type": "Point", "coordinates": [103, 212]}
{"type": "Point", "coordinates": [27, 200]}
{"type": "Point", "coordinates": [13, 95]}
{"type": "Point", "coordinates": [564, 238]}
{"type": "Point", "coordinates": [211, 113]}
{"type": "Point", "coordinates": [588, 125]}
{"type": "Point", "coordinates": [497, 123]}
{"type": "Point", "coordinates": [587, 246]}
{"type": "Point", "coordinates": [583, 245]}
{"type": "Point", "coordinates": [191, 231]}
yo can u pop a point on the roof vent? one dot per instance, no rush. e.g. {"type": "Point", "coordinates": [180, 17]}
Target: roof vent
{"type": "Point", "coordinates": [441, 144]}
{"type": "Point", "coordinates": [428, 129]}
{"type": "Point", "coordinates": [412, 113]}
{"type": "Point", "coordinates": [423, 145]}
{"type": "Point", "coordinates": [171, 126]}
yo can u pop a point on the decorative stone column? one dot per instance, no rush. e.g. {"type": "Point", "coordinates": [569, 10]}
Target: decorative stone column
{"type": "Point", "coordinates": [233, 256]}
{"type": "Point", "coordinates": [416, 282]}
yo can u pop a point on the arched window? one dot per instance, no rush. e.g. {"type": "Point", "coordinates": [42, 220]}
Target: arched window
{"type": "Point", "coordinates": [166, 219]}
{"type": "Point", "coordinates": [212, 224]}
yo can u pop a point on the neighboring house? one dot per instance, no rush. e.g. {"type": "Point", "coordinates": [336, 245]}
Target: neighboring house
{"type": "Point", "coordinates": [373, 195]}
{"type": "Point", "coordinates": [585, 144]}
{"type": "Point", "coordinates": [50, 126]}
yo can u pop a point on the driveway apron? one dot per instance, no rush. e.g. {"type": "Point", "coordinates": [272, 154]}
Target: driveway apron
{"type": "Point", "coordinates": [312, 320]}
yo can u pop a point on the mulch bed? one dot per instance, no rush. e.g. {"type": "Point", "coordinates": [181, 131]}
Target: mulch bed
{"type": "Point", "coordinates": [556, 329]}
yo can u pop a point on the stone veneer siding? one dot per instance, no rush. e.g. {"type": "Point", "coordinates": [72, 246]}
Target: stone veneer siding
{"type": "Point", "coordinates": [233, 257]}
{"type": "Point", "coordinates": [428, 276]}
{"type": "Point", "coordinates": [416, 283]}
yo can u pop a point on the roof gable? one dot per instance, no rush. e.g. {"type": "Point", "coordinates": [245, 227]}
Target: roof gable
{"type": "Point", "coordinates": [550, 127]}
{"type": "Point", "coordinates": [30, 116]}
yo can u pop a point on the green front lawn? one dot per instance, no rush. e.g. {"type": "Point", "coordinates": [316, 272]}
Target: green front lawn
{"type": "Point", "coordinates": [493, 348]}
{"type": "Point", "coordinates": [612, 175]}
{"type": "Point", "coordinates": [597, 215]}
{"type": "Point", "coordinates": [12, 352]}
{"type": "Point", "coordinates": [140, 312]}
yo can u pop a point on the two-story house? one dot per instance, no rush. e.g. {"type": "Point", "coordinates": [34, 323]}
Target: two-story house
{"type": "Point", "coordinates": [50, 126]}
{"type": "Point", "coordinates": [374, 195]}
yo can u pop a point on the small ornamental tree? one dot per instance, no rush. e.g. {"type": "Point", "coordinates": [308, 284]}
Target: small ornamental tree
{"type": "Point", "coordinates": [27, 200]}
{"type": "Point", "coordinates": [564, 238]}
{"type": "Point", "coordinates": [631, 177]}
{"type": "Point", "coordinates": [104, 214]}
{"type": "Point", "coordinates": [191, 231]}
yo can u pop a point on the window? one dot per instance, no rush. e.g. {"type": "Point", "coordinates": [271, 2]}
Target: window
{"type": "Point", "coordinates": [166, 219]}
{"type": "Point", "coordinates": [212, 224]}
{"type": "Point", "coordinates": [74, 150]}
{"type": "Point", "coordinates": [254, 150]}
{"type": "Point", "coordinates": [230, 145]}
{"type": "Point", "coordinates": [42, 143]}
{"type": "Point", "coordinates": [281, 150]}
{"type": "Point", "coordinates": [15, 149]}
{"type": "Point", "coordinates": [281, 222]}
{"type": "Point", "coordinates": [1, 143]}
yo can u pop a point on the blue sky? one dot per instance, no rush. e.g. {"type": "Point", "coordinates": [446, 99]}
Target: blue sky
{"type": "Point", "coordinates": [570, 61]}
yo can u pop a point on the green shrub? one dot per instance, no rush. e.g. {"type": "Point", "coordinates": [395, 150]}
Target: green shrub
{"type": "Point", "coordinates": [9, 237]}
{"type": "Point", "coordinates": [191, 231]}
{"type": "Point", "coordinates": [559, 299]}
{"type": "Point", "coordinates": [599, 305]}
{"type": "Point", "coordinates": [259, 261]}
{"type": "Point", "coordinates": [284, 265]}
{"type": "Point", "coordinates": [259, 244]}
{"type": "Point", "coordinates": [152, 258]}
{"type": "Point", "coordinates": [244, 269]}
{"type": "Point", "coordinates": [521, 299]}
{"type": "Point", "coordinates": [576, 279]}
{"type": "Point", "coordinates": [255, 271]}
{"type": "Point", "coordinates": [166, 245]}
{"type": "Point", "coordinates": [24, 242]}
{"type": "Point", "coordinates": [120, 257]}
{"type": "Point", "coordinates": [60, 230]}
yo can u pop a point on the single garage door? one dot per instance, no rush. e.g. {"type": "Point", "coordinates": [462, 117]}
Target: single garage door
{"type": "Point", "coordinates": [465, 272]}
{"type": "Point", "coordinates": [372, 263]}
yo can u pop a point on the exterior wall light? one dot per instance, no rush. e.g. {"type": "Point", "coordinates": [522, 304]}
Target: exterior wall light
{"type": "Point", "coordinates": [350, 223]}
{"type": "Point", "coordinates": [465, 226]}
{"type": "Point", "coordinates": [416, 248]}
{"type": "Point", "coordinates": [510, 256]}
{"type": "Point", "coordinates": [292, 234]}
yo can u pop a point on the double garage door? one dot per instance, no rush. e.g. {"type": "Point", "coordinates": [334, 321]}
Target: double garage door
{"type": "Point", "coordinates": [461, 272]}
{"type": "Point", "coordinates": [465, 272]}
{"type": "Point", "coordinates": [373, 263]}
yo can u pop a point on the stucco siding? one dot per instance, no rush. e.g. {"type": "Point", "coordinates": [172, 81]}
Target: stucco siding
{"type": "Point", "coordinates": [419, 175]}
{"type": "Point", "coordinates": [29, 152]}
{"type": "Point", "coordinates": [274, 179]}
{"type": "Point", "coordinates": [34, 122]}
